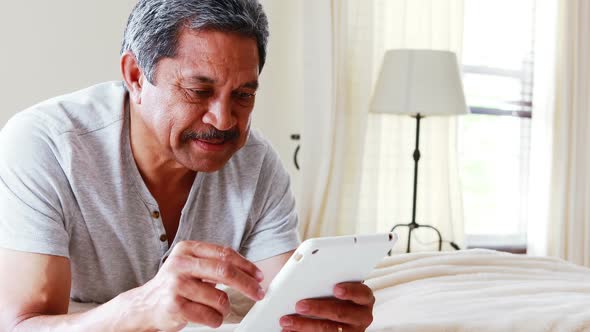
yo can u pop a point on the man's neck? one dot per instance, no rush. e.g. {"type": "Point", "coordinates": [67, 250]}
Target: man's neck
{"type": "Point", "coordinates": [161, 173]}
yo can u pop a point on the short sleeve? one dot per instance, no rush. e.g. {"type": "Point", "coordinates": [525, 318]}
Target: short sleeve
{"type": "Point", "coordinates": [274, 217]}
{"type": "Point", "coordinates": [32, 186]}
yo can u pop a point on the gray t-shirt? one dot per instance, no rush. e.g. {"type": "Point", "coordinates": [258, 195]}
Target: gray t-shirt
{"type": "Point", "coordinates": [69, 186]}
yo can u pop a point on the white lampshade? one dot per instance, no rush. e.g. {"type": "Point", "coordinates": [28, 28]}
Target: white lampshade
{"type": "Point", "coordinates": [419, 81]}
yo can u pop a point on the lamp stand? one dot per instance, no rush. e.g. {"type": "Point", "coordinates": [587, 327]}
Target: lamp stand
{"type": "Point", "coordinates": [414, 225]}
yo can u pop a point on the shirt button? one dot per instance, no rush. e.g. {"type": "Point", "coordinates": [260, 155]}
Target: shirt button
{"type": "Point", "coordinates": [156, 214]}
{"type": "Point", "coordinates": [163, 238]}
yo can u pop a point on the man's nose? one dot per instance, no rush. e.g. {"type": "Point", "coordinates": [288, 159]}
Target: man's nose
{"type": "Point", "coordinates": [220, 115]}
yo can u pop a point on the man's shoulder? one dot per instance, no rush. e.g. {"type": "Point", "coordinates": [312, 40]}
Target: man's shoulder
{"type": "Point", "coordinates": [79, 112]}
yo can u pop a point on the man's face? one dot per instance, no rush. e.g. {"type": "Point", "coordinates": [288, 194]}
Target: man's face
{"type": "Point", "coordinates": [200, 104]}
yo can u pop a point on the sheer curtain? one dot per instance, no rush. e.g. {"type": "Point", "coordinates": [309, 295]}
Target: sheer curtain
{"type": "Point", "coordinates": [387, 174]}
{"type": "Point", "coordinates": [356, 169]}
{"type": "Point", "coordinates": [333, 125]}
{"type": "Point", "coordinates": [542, 127]}
{"type": "Point", "coordinates": [566, 230]}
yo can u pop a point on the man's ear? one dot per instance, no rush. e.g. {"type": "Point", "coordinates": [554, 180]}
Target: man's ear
{"type": "Point", "coordinates": [132, 75]}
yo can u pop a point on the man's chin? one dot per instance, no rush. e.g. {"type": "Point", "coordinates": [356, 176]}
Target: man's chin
{"type": "Point", "coordinates": [205, 164]}
{"type": "Point", "coordinates": [200, 156]}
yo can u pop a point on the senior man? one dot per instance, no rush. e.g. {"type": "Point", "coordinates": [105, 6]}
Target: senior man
{"type": "Point", "coordinates": [141, 195]}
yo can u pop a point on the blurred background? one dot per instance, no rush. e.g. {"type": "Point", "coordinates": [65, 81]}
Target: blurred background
{"type": "Point", "coordinates": [510, 175]}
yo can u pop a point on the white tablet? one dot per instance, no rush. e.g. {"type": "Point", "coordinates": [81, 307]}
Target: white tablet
{"type": "Point", "coordinates": [314, 269]}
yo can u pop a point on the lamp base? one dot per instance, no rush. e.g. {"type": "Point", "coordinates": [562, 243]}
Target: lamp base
{"type": "Point", "coordinates": [411, 227]}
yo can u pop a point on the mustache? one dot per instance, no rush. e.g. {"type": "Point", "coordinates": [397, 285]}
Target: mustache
{"type": "Point", "coordinates": [210, 134]}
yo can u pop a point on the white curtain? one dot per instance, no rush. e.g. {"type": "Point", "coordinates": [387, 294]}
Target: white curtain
{"type": "Point", "coordinates": [387, 175]}
{"type": "Point", "coordinates": [565, 232]}
{"type": "Point", "coordinates": [542, 127]}
{"type": "Point", "coordinates": [352, 182]}
{"type": "Point", "coordinates": [331, 144]}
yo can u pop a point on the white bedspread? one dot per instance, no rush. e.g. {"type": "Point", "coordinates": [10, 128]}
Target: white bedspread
{"type": "Point", "coordinates": [480, 290]}
{"type": "Point", "coordinates": [471, 290]}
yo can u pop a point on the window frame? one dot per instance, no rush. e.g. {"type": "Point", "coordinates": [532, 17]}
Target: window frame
{"type": "Point", "coordinates": [512, 243]}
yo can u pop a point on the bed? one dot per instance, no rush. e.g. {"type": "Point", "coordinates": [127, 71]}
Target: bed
{"type": "Point", "coordinates": [470, 290]}
{"type": "Point", "coordinates": [480, 290]}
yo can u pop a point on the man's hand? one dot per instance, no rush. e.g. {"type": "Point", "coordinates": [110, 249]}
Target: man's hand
{"type": "Point", "coordinates": [350, 311]}
{"type": "Point", "coordinates": [184, 290]}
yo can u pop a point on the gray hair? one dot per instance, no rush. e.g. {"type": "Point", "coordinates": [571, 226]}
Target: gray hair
{"type": "Point", "coordinates": [154, 26]}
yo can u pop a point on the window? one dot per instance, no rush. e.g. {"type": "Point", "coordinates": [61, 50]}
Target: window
{"type": "Point", "coordinates": [494, 141]}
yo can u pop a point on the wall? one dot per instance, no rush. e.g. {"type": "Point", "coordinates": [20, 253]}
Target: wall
{"type": "Point", "coordinates": [54, 47]}
{"type": "Point", "coordinates": [279, 103]}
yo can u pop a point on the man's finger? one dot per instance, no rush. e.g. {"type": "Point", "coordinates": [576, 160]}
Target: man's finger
{"type": "Point", "coordinates": [202, 314]}
{"type": "Point", "coordinates": [217, 271]}
{"type": "Point", "coordinates": [356, 292]}
{"type": "Point", "coordinates": [198, 291]}
{"type": "Point", "coordinates": [336, 310]}
{"type": "Point", "coordinates": [216, 252]}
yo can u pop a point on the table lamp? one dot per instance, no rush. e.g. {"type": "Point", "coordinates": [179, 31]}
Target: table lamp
{"type": "Point", "coordinates": [419, 83]}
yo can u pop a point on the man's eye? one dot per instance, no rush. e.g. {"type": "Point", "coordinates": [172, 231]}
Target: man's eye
{"type": "Point", "coordinates": [201, 93]}
{"type": "Point", "coordinates": [245, 95]}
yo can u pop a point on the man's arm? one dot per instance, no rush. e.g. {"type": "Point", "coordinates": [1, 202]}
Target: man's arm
{"type": "Point", "coordinates": [35, 294]}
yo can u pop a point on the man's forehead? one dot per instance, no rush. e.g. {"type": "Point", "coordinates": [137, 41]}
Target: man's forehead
{"type": "Point", "coordinates": [211, 56]}
{"type": "Point", "coordinates": [218, 47]}
{"type": "Point", "coordinates": [204, 79]}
